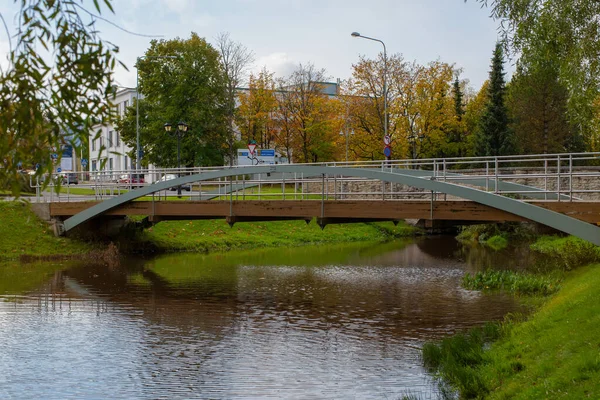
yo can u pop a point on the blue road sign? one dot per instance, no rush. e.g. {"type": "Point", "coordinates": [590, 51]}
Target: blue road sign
{"type": "Point", "coordinates": [387, 151]}
{"type": "Point", "coordinates": [54, 156]}
{"type": "Point", "coordinates": [84, 161]}
{"type": "Point", "coordinates": [267, 153]}
{"type": "Point", "coordinates": [59, 169]}
{"type": "Point", "coordinates": [37, 166]}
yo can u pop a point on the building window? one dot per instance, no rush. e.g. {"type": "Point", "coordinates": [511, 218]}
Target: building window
{"type": "Point", "coordinates": [110, 164]}
{"type": "Point", "coordinates": [125, 164]}
{"type": "Point", "coordinates": [125, 105]}
{"type": "Point", "coordinates": [94, 165]}
{"type": "Point", "coordinates": [117, 109]}
{"type": "Point", "coordinates": [94, 145]}
{"type": "Point", "coordinates": [117, 139]}
{"type": "Point", "coordinates": [110, 139]}
{"type": "Point", "coordinates": [101, 142]}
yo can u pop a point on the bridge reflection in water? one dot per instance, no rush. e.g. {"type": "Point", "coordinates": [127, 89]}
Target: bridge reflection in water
{"type": "Point", "coordinates": [330, 322]}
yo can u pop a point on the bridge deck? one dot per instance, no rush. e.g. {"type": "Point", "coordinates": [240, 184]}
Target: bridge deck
{"type": "Point", "coordinates": [305, 209]}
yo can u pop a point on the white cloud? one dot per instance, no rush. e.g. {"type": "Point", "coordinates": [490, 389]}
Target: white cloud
{"type": "Point", "coordinates": [279, 63]}
{"type": "Point", "coordinates": [177, 6]}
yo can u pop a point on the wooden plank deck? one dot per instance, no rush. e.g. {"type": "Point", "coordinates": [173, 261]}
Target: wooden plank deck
{"type": "Point", "coordinates": [306, 209]}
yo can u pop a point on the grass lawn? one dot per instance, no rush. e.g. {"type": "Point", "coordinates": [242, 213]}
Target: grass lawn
{"type": "Point", "coordinates": [216, 235]}
{"type": "Point", "coordinates": [555, 354]}
{"type": "Point", "coordinates": [89, 191]}
{"type": "Point", "coordinates": [23, 233]}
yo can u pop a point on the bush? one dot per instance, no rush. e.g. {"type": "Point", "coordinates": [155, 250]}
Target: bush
{"type": "Point", "coordinates": [497, 242]}
{"type": "Point", "coordinates": [486, 232]}
{"type": "Point", "coordinates": [567, 252]}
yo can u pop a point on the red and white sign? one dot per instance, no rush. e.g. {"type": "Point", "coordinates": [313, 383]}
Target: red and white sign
{"type": "Point", "coordinates": [387, 140]}
{"type": "Point", "coordinates": [251, 147]}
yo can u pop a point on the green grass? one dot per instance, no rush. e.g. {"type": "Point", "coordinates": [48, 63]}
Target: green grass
{"type": "Point", "coordinates": [216, 235]}
{"type": "Point", "coordinates": [455, 359]}
{"type": "Point", "coordinates": [555, 354]}
{"type": "Point", "coordinates": [519, 283]}
{"type": "Point", "coordinates": [22, 233]}
{"type": "Point", "coordinates": [266, 193]}
{"type": "Point", "coordinates": [88, 191]}
{"type": "Point", "coordinates": [567, 252]}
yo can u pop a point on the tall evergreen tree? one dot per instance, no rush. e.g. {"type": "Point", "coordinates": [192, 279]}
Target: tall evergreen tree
{"type": "Point", "coordinates": [537, 104]}
{"type": "Point", "coordinates": [458, 100]}
{"type": "Point", "coordinates": [494, 137]}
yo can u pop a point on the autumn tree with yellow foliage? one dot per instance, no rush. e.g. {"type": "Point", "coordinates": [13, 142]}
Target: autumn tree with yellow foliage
{"type": "Point", "coordinates": [364, 102]}
{"type": "Point", "coordinates": [257, 105]}
{"type": "Point", "coordinates": [307, 119]}
{"type": "Point", "coordinates": [422, 120]}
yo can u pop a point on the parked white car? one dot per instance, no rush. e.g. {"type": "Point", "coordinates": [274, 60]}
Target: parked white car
{"type": "Point", "coordinates": [169, 177]}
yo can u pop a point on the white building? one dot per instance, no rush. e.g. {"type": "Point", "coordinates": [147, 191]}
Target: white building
{"type": "Point", "coordinates": [115, 151]}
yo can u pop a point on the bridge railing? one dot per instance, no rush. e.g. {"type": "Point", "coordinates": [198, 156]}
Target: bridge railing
{"type": "Point", "coordinates": [560, 177]}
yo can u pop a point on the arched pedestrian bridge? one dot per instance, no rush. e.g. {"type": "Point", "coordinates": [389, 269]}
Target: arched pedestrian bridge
{"type": "Point", "coordinates": [558, 191]}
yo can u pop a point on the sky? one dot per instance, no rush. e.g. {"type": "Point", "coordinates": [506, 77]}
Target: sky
{"type": "Point", "coordinates": [283, 33]}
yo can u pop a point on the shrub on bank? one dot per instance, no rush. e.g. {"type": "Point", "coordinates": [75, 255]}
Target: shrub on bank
{"type": "Point", "coordinates": [496, 236]}
{"type": "Point", "coordinates": [568, 252]}
{"type": "Point", "coordinates": [497, 242]}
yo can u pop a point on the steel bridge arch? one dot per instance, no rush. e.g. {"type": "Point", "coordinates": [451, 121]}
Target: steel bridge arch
{"type": "Point", "coordinates": [534, 213]}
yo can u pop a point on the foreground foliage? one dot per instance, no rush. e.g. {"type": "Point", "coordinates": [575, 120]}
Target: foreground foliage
{"type": "Point", "coordinates": [57, 85]}
{"type": "Point", "coordinates": [571, 44]}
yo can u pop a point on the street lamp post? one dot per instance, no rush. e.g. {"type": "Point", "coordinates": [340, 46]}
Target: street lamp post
{"type": "Point", "coordinates": [346, 132]}
{"type": "Point", "coordinates": [181, 129]}
{"type": "Point", "coordinates": [385, 95]}
{"type": "Point", "coordinates": [413, 140]}
{"type": "Point", "coordinates": [138, 150]}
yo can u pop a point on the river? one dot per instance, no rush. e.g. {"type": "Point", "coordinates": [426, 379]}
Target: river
{"type": "Point", "coordinates": [330, 322]}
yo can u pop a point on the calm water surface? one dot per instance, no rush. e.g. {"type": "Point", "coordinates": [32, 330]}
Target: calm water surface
{"type": "Point", "coordinates": [335, 322]}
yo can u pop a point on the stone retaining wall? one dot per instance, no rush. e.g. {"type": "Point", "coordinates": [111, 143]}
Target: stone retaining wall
{"type": "Point", "coordinates": [373, 189]}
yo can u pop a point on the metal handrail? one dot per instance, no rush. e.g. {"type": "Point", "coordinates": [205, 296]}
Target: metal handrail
{"type": "Point", "coordinates": [501, 174]}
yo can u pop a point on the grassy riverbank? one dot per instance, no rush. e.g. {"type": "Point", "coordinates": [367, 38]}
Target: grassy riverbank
{"type": "Point", "coordinates": [22, 234]}
{"type": "Point", "coordinates": [555, 353]}
{"type": "Point", "coordinates": [216, 235]}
